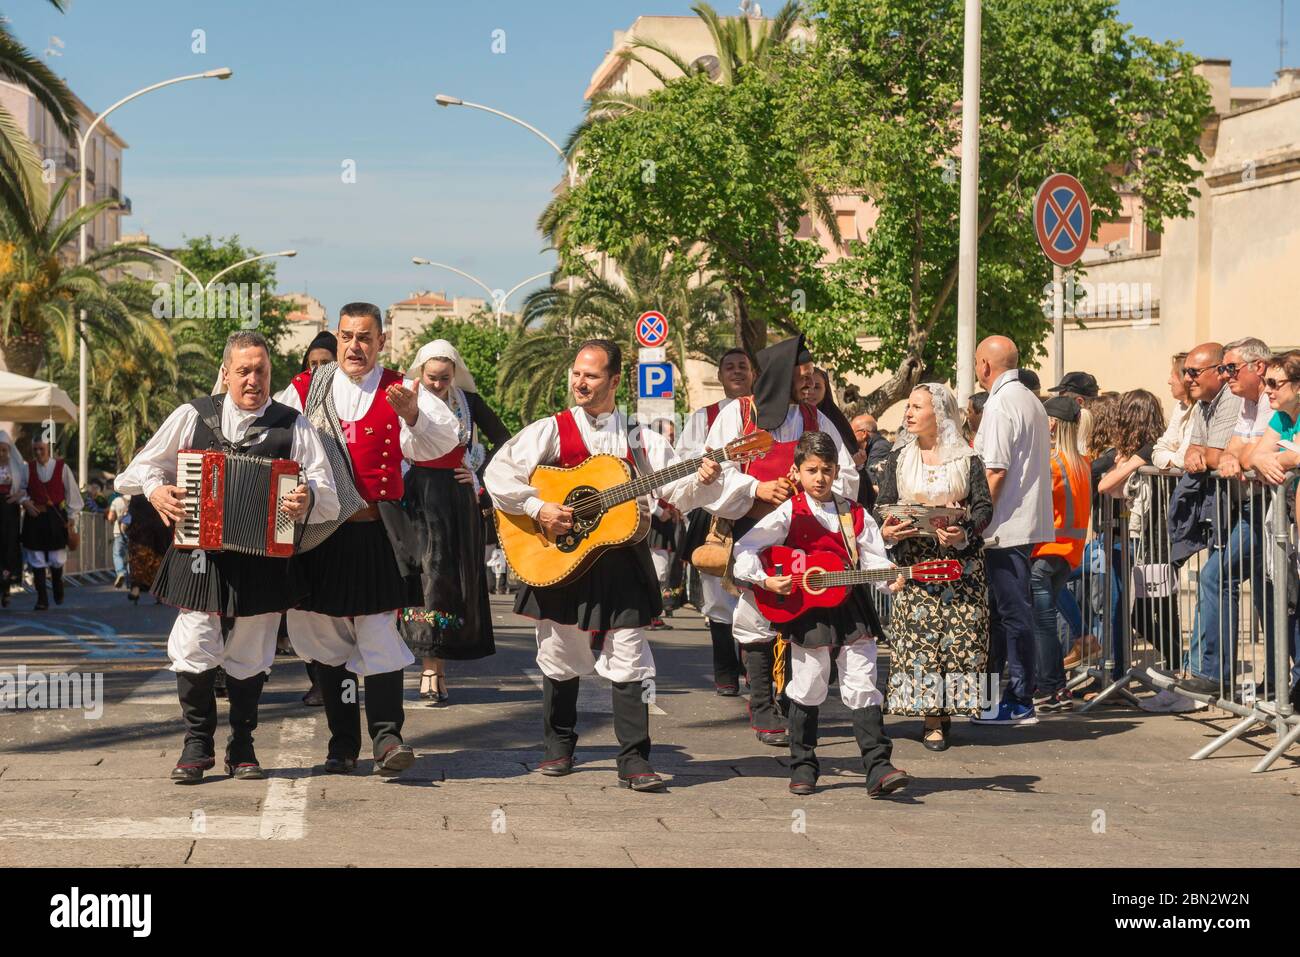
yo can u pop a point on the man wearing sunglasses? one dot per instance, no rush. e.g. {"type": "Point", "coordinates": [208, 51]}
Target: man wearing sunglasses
{"type": "Point", "coordinates": [1241, 555]}
{"type": "Point", "coordinates": [1217, 408]}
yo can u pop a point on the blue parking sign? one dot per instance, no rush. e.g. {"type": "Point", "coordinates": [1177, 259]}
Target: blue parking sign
{"type": "Point", "coordinates": [655, 380]}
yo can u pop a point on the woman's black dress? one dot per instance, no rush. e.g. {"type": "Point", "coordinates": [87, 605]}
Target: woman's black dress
{"type": "Point", "coordinates": [11, 555]}
{"type": "Point", "coordinates": [455, 622]}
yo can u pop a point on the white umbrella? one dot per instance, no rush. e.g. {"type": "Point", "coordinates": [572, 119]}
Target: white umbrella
{"type": "Point", "coordinates": [31, 400]}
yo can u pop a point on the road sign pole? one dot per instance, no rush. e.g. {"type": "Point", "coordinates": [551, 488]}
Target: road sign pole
{"type": "Point", "coordinates": [968, 250]}
{"type": "Point", "coordinates": [1058, 321]}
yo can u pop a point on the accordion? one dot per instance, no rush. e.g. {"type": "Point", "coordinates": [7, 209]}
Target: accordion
{"type": "Point", "coordinates": [232, 503]}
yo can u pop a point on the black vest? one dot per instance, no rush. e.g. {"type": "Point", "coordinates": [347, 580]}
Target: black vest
{"type": "Point", "coordinates": [231, 584]}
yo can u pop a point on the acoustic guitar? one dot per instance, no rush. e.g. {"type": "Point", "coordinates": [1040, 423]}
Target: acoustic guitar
{"type": "Point", "coordinates": [603, 495]}
{"type": "Point", "coordinates": [822, 581]}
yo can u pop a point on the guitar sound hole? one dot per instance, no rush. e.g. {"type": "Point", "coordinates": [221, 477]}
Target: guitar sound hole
{"type": "Point", "coordinates": [584, 520]}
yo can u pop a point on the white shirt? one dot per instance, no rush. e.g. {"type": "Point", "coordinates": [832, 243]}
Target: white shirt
{"type": "Point", "coordinates": [1171, 448]}
{"type": "Point", "coordinates": [1253, 420]}
{"type": "Point", "coordinates": [72, 499]}
{"type": "Point", "coordinates": [696, 431]}
{"type": "Point", "coordinates": [774, 527]}
{"type": "Point", "coordinates": [1014, 435]}
{"type": "Point", "coordinates": [434, 433]}
{"type": "Point", "coordinates": [738, 489]}
{"type": "Point", "coordinates": [155, 464]}
{"type": "Point", "coordinates": [506, 477]}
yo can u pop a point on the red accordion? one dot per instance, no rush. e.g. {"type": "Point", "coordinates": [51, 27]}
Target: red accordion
{"type": "Point", "coordinates": [232, 502]}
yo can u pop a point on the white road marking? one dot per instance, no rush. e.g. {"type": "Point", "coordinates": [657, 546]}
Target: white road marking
{"type": "Point", "coordinates": [284, 811]}
{"type": "Point", "coordinates": [593, 693]}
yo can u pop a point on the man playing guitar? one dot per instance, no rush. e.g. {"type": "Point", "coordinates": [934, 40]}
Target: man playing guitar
{"type": "Point", "coordinates": [597, 621]}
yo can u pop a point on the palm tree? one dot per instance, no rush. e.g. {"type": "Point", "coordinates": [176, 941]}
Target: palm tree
{"type": "Point", "coordinates": [535, 366]}
{"type": "Point", "coordinates": [41, 293]}
{"type": "Point", "coordinates": [21, 186]}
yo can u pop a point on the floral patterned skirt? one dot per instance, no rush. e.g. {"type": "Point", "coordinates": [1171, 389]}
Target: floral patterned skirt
{"type": "Point", "coordinates": [938, 637]}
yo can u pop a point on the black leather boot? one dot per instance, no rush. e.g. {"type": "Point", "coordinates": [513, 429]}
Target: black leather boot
{"type": "Point", "coordinates": [559, 725]}
{"type": "Point", "coordinates": [869, 730]}
{"type": "Point", "coordinates": [42, 596]}
{"type": "Point", "coordinates": [199, 711]}
{"type": "Point", "coordinates": [56, 581]}
{"type": "Point", "coordinates": [804, 767]}
{"type": "Point", "coordinates": [342, 693]}
{"type": "Point", "coordinates": [384, 719]}
{"type": "Point", "coordinates": [764, 715]}
{"type": "Point", "coordinates": [244, 695]}
{"type": "Point", "coordinates": [632, 730]}
{"type": "Point", "coordinates": [726, 669]}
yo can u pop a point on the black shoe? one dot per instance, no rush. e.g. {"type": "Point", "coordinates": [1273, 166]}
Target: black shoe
{"type": "Point", "coordinates": [776, 739]}
{"type": "Point", "coordinates": [313, 698]}
{"type": "Point", "coordinates": [557, 767]}
{"type": "Point", "coordinates": [891, 782]}
{"type": "Point", "coordinates": [395, 760]}
{"type": "Point", "coordinates": [643, 782]}
{"type": "Point", "coordinates": [245, 770]}
{"type": "Point", "coordinates": [930, 744]}
{"type": "Point", "coordinates": [1197, 684]}
{"type": "Point", "coordinates": [340, 765]}
{"type": "Point", "coordinates": [191, 772]}
{"type": "Point", "coordinates": [41, 606]}
{"type": "Point", "coordinates": [727, 691]}
{"type": "Point", "coordinates": [803, 788]}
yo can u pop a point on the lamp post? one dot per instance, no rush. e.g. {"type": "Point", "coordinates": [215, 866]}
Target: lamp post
{"type": "Point", "coordinates": [83, 437]}
{"type": "Point", "coordinates": [500, 303]}
{"type": "Point", "coordinates": [968, 248]}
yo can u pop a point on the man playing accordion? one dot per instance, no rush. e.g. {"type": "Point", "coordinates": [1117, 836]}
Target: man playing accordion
{"type": "Point", "coordinates": [229, 603]}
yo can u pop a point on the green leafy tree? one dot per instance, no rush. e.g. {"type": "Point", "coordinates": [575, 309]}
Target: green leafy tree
{"type": "Point", "coordinates": [481, 344]}
{"type": "Point", "coordinates": [704, 168]}
{"type": "Point", "coordinates": [1065, 86]}
{"type": "Point", "coordinates": [535, 369]}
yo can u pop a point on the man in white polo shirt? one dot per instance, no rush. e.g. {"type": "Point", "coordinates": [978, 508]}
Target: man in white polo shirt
{"type": "Point", "coordinates": [1014, 442]}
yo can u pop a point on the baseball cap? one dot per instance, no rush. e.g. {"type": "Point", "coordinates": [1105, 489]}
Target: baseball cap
{"type": "Point", "coordinates": [1080, 383]}
{"type": "Point", "coordinates": [1062, 407]}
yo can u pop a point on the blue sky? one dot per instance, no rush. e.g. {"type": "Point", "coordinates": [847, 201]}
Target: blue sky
{"type": "Point", "coordinates": [318, 83]}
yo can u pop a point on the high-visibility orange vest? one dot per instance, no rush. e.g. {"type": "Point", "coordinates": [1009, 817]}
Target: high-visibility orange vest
{"type": "Point", "coordinates": [1071, 510]}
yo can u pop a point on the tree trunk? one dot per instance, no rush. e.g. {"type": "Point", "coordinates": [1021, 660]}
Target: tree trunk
{"type": "Point", "coordinates": [750, 332]}
{"type": "Point", "coordinates": [899, 386]}
{"type": "Point", "coordinates": [23, 354]}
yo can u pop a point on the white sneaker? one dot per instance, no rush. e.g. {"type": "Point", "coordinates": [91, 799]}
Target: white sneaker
{"type": "Point", "coordinates": [1170, 702]}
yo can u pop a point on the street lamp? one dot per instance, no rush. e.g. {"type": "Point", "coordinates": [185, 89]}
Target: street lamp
{"type": "Point", "coordinates": [442, 99]}
{"type": "Point", "coordinates": [968, 233]}
{"type": "Point", "coordinates": [157, 254]}
{"type": "Point", "coordinates": [492, 293]}
{"type": "Point", "coordinates": [83, 436]}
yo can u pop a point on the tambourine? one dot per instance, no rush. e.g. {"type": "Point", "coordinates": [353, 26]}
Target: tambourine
{"type": "Point", "coordinates": [927, 519]}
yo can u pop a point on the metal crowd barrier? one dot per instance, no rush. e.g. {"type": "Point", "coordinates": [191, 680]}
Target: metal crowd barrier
{"type": "Point", "coordinates": [1226, 611]}
{"type": "Point", "coordinates": [95, 553]}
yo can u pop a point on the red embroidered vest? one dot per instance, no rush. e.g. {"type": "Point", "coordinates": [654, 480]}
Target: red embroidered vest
{"type": "Point", "coordinates": [711, 413]}
{"type": "Point", "coordinates": [573, 448]}
{"type": "Point", "coordinates": [45, 494]}
{"type": "Point", "coordinates": [809, 535]}
{"type": "Point", "coordinates": [374, 442]}
{"type": "Point", "coordinates": [777, 462]}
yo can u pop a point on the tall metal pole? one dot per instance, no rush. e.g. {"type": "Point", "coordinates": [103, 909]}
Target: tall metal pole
{"type": "Point", "coordinates": [968, 255]}
{"type": "Point", "coordinates": [1058, 322]}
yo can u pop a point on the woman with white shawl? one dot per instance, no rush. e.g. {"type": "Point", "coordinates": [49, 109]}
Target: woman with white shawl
{"type": "Point", "coordinates": [13, 485]}
{"type": "Point", "coordinates": [442, 504]}
{"type": "Point", "coordinates": [938, 631]}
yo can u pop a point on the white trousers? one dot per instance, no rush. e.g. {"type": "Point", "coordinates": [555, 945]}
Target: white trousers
{"type": "Point", "coordinates": [495, 559]}
{"type": "Point", "coordinates": [810, 675]}
{"type": "Point", "coordinates": [564, 652]}
{"type": "Point", "coordinates": [367, 644]}
{"type": "Point", "coordinates": [663, 562]}
{"type": "Point", "coordinates": [195, 644]}
{"type": "Point", "coordinates": [748, 624]}
{"type": "Point", "coordinates": [54, 559]}
{"type": "Point", "coordinates": [716, 603]}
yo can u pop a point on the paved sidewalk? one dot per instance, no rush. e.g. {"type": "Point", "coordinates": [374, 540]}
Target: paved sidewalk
{"type": "Point", "coordinates": [1112, 788]}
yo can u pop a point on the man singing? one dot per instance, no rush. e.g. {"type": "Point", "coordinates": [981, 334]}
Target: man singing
{"type": "Point", "coordinates": [369, 419]}
{"type": "Point", "coordinates": [230, 603]}
{"type": "Point", "coordinates": [596, 621]}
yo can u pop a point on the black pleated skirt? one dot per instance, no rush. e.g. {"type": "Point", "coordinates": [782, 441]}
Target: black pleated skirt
{"type": "Point", "coordinates": [620, 590]}
{"type": "Point", "coordinates": [697, 530]}
{"type": "Point", "coordinates": [356, 572]}
{"type": "Point", "coordinates": [835, 627]}
{"type": "Point", "coordinates": [11, 556]}
{"type": "Point", "coordinates": [454, 621]}
{"type": "Point", "coordinates": [228, 583]}
{"type": "Point", "coordinates": [46, 532]}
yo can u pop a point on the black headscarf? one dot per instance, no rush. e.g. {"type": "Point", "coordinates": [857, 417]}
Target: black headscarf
{"type": "Point", "coordinates": [323, 340]}
{"type": "Point", "coordinates": [776, 365]}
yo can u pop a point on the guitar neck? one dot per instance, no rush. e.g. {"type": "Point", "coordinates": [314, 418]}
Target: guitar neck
{"type": "Point", "coordinates": [645, 484]}
{"type": "Point", "coordinates": [855, 576]}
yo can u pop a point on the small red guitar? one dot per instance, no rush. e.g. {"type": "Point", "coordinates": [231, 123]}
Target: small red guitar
{"type": "Point", "coordinates": [822, 581]}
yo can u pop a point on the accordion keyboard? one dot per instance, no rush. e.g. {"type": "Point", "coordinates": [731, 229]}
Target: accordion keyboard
{"type": "Point", "coordinates": [189, 476]}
